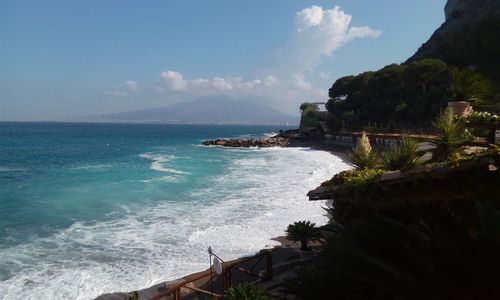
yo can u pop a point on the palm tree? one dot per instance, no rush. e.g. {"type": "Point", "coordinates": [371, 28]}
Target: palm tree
{"type": "Point", "coordinates": [469, 86]}
{"type": "Point", "coordinates": [303, 231]}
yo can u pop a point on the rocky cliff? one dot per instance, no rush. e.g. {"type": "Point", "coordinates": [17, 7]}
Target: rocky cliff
{"type": "Point", "coordinates": [469, 37]}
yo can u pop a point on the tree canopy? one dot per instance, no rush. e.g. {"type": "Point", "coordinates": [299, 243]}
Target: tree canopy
{"type": "Point", "coordinates": [411, 93]}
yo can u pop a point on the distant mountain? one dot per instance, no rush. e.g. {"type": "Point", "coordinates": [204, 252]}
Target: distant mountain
{"type": "Point", "coordinates": [203, 110]}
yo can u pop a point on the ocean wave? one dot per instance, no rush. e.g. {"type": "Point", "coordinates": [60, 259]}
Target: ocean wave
{"type": "Point", "coordinates": [270, 134]}
{"type": "Point", "coordinates": [7, 169]}
{"type": "Point", "coordinates": [163, 179]}
{"type": "Point", "coordinates": [259, 195]}
{"type": "Point", "coordinates": [159, 160]}
{"type": "Point", "coordinates": [92, 167]}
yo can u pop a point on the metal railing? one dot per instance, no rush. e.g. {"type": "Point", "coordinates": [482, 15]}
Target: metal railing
{"type": "Point", "coordinates": [188, 288]}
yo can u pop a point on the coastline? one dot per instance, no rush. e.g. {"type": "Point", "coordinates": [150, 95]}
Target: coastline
{"type": "Point", "coordinates": [337, 150]}
{"type": "Point", "coordinates": [286, 251]}
{"type": "Point", "coordinates": [165, 221]}
{"type": "Point", "coordinates": [285, 256]}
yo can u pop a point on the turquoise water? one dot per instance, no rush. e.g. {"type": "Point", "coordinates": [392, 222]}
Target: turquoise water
{"type": "Point", "coordinates": [92, 208]}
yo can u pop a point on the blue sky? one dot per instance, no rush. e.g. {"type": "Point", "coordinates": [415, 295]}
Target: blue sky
{"type": "Point", "coordinates": [61, 59]}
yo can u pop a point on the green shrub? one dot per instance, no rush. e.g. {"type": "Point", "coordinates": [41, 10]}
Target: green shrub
{"type": "Point", "coordinates": [354, 177]}
{"type": "Point", "coordinates": [469, 86]}
{"type": "Point", "coordinates": [375, 257]}
{"type": "Point", "coordinates": [245, 291]}
{"type": "Point", "coordinates": [303, 231]}
{"type": "Point", "coordinates": [360, 177]}
{"type": "Point", "coordinates": [400, 157]}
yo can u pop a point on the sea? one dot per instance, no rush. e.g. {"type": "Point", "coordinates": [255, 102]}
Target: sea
{"type": "Point", "coordinates": [87, 209]}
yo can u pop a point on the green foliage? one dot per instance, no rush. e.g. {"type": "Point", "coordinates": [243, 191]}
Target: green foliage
{"type": "Point", "coordinates": [361, 261]}
{"type": "Point", "coordinates": [307, 106]}
{"type": "Point", "coordinates": [411, 94]}
{"type": "Point", "coordinates": [360, 161]}
{"type": "Point", "coordinates": [490, 221]}
{"type": "Point", "coordinates": [360, 177]}
{"type": "Point", "coordinates": [477, 47]}
{"type": "Point", "coordinates": [400, 157]}
{"type": "Point", "coordinates": [245, 291]}
{"type": "Point", "coordinates": [309, 116]}
{"type": "Point", "coordinates": [469, 86]}
{"type": "Point", "coordinates": [303, 231]}
{"type": "Point", "coordinates": [374, 257]}
{"type": "Point", "coordinates": [354, 177]}
{"type": "Point", "coordinates": [449, 135]}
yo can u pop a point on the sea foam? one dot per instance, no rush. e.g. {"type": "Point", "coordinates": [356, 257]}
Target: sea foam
{"type": "Point", "coordinates": [236, 213]}
{"type": "Point", "coordinates": [159, 161]}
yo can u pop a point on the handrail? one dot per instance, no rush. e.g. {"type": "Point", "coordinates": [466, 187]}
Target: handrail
{"type": "Point", "coordinates": [226, 267]}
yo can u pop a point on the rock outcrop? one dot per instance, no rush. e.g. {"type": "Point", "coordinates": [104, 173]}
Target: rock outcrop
{"type": "Point", "coordinates": [246, 143]}
{"type": "Point", "coordinates": [462, 17]}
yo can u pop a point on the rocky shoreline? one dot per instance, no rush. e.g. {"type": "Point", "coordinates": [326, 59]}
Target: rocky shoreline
{"type": "Point", "coordinates": [274, 141]}
{"type": "Point", "coordinates": [285, 255]}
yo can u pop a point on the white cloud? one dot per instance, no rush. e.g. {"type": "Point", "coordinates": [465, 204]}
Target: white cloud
{"type": "Point", "coordinates": [287, 80]}
{"type": "Point", "coordinates": [271, 81]}
{"type": "Point", "coordinates": [122, 89]}
{"type": "Point", "coordinates": [173, 81]}
{"type": "Point", "coordinates": [362, 32]}
{"type": "Point", "coordinates": [300, 83]}
{"type": "Point", "coordinates": [317, 34]}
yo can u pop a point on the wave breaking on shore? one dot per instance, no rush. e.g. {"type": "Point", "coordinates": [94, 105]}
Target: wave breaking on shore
{"type": "Point", "coordinates": [260, 193]}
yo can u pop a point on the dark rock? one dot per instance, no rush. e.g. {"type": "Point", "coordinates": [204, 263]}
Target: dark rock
{"type": "Point", "coordinates": [461, 17]}
{"type": "Point", "coordinates": [276, 141]}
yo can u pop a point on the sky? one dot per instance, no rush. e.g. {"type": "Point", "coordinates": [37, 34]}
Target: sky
{"type": "Point", "coordinates": [64, 59]}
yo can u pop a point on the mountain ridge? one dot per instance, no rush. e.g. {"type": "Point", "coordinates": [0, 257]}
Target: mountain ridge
{"type": "Point", "coordinates": [203, 110]}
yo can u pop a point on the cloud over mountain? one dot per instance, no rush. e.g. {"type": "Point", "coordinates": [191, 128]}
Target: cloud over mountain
{"type": "Point", "coordinates": [286, 81]}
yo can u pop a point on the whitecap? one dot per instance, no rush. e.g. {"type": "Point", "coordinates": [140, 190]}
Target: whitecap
{"type": "Point", "coordinates": [159, 160]}
{"type": "Point", "coordinates": [162, 179]}
{"type": "Point", "coordinates": [236, 214]}
{"type": "Point", "coordinates": [91, 167]}
{"type": "Point", "coordinates": [7, 169]}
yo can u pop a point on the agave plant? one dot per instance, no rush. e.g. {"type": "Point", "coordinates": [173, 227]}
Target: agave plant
{"type": "Point", "coordinates": [303, 231]}
{"type": "Point", "coordinates": [245, 291]}
{"type": "Point", "coordinates": [450, 135]}
{"type": "Point", "coordinates": [362, 156]}
{"type": "Point", "coordinates": [402, 156]}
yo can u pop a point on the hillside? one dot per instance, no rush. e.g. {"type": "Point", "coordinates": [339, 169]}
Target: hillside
{"type": "Point", "coordinates": [203, 110]}
{"type": "Point", "coordinates": [411, 94]}
{"type": "Point", "coordinates": [469, 37]}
